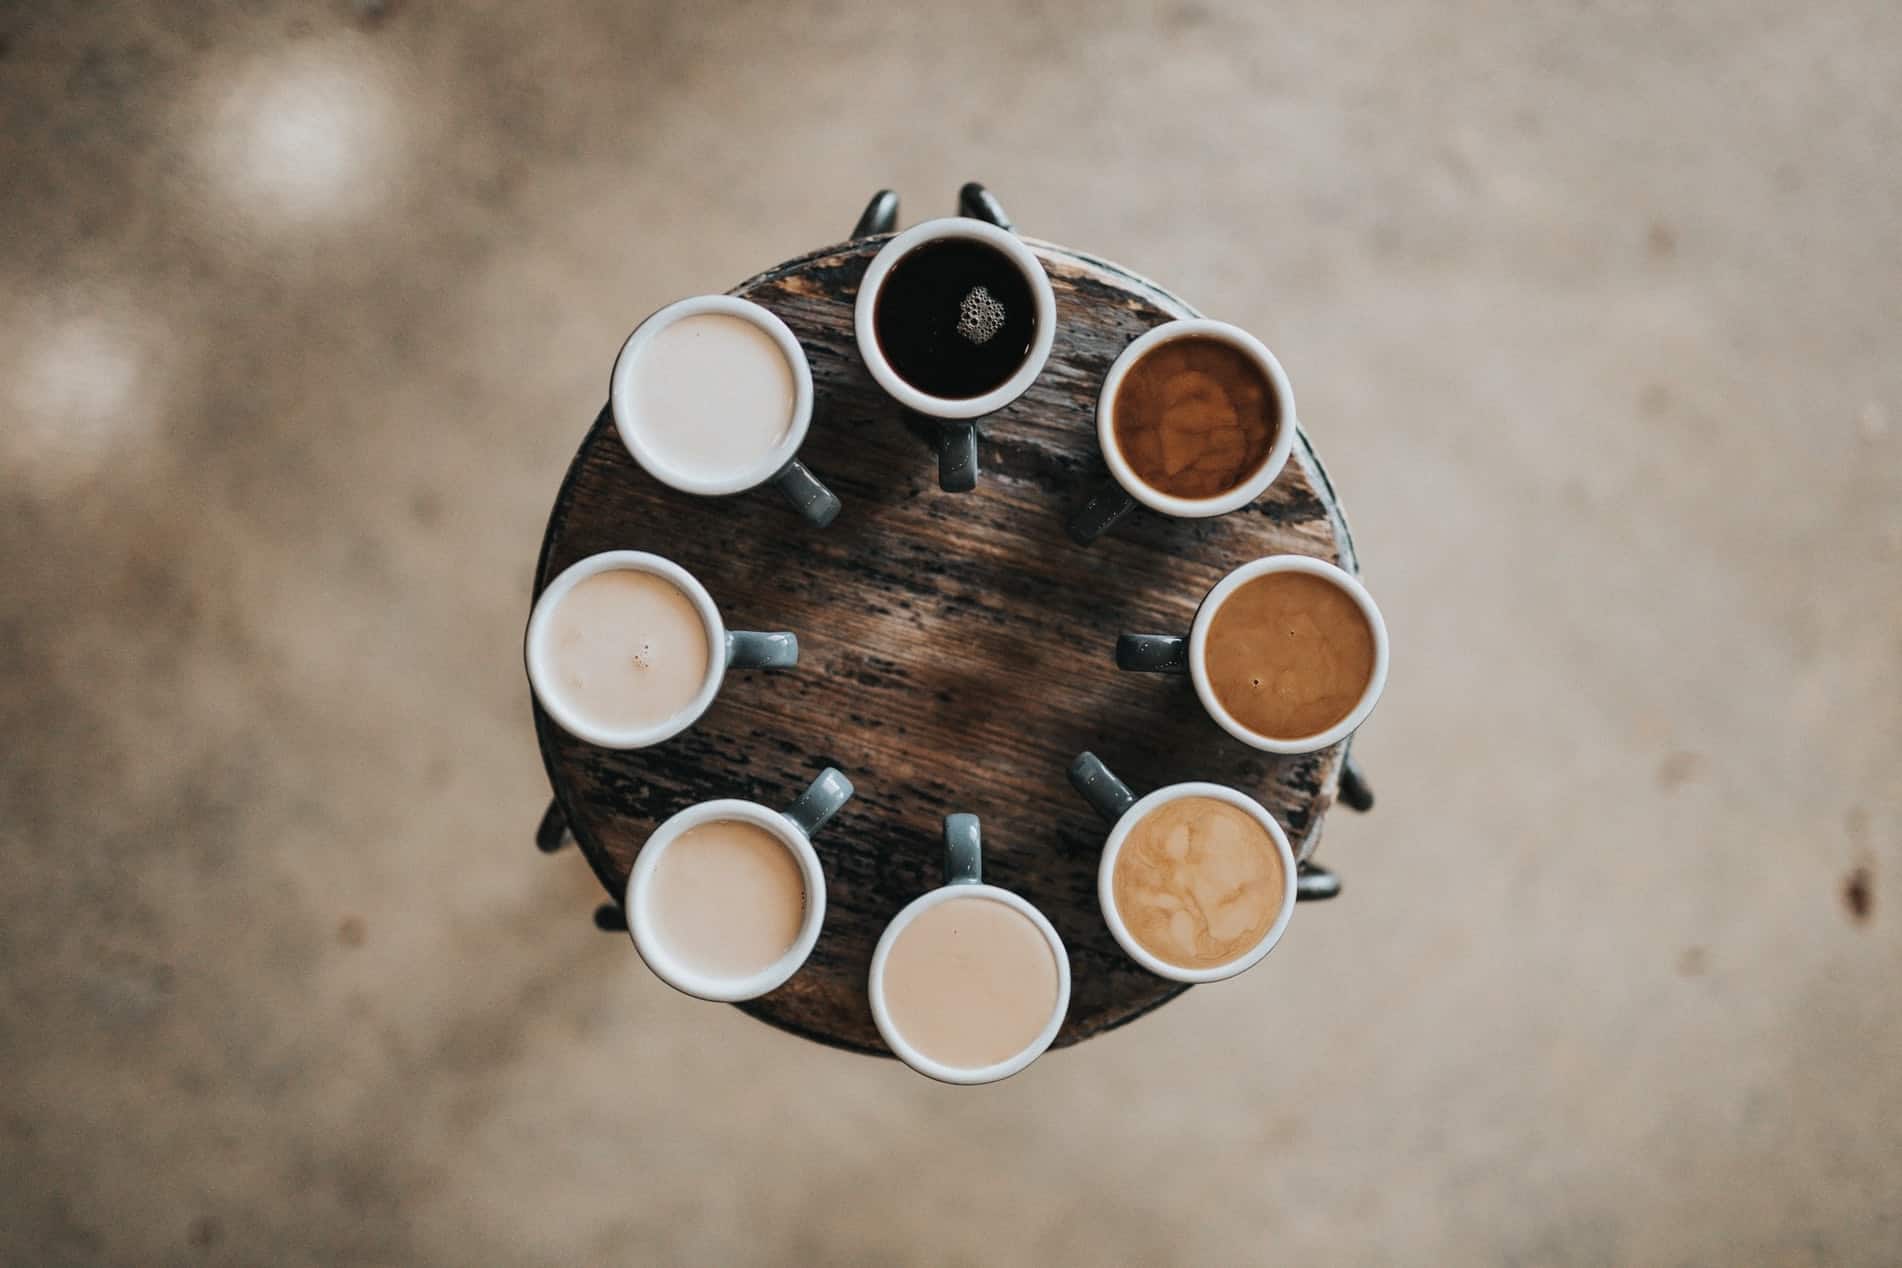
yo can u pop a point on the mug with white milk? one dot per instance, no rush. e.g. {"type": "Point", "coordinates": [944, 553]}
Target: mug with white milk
{"type": "Point", "coordinates": [713, 395]}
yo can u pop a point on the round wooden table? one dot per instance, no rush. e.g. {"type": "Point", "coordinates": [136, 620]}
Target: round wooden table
{"type": "Point", "coordinates": [955, 648]}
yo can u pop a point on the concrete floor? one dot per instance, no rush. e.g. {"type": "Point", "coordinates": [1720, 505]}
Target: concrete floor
{"type": "Point", "coordinates": [1593, 312]}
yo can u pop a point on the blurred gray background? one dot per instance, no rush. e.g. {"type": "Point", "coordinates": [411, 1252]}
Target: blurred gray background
{"type": "Point", "coordinates": [1592, 310]}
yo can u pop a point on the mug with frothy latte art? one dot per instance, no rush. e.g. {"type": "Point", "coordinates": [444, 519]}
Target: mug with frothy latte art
{"type": "Point", "coordinates": [1197, 880]}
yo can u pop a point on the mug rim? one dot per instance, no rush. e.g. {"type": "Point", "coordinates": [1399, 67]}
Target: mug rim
{"type": "Point", "coordinates": [556, 706]}
{"type": "Point", "coordinates": [902, 1048]}
{"type": "Point", "coordinates": [621, 387]}
{"type": "Point", "coordinates": [1043, 294]}
{"type": "Point", "coordinates": [1198, 652]}
{"type": "Point", "coordinates": [1242, 494]}
{"type": "Point", "coordinates": [653, 950]}
{"type": "Point", "coordinates": [1113, 848]}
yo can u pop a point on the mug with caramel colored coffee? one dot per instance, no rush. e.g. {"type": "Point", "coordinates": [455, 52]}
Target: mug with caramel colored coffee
{"type": "Point", "coordinates": [1288, 654]}
{"type": "Point", "coordinates": [1194, 419]}
{"type": "Point", "coordinates": [970, 983]}
{"type": "Point", "coordinates": [1197, 880]}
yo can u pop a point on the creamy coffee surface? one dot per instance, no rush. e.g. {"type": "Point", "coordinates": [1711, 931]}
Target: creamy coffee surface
{"type": "Point", "coordinates": [626, 650]}
{"type": "Point", "coordinates": [727, 898]}
{"type": "Point", "coordinates": [971, 982]}
{"type": "Point", "coordinates": [1198, 882]}
{"type": "Point", "coordinates": [713, 395]}
{"type": "Point", "coordinates": [1289, 654]}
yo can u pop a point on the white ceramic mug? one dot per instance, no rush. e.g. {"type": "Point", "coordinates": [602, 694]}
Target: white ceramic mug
{"type": "Point", "coordinates": [726, 649]}
{"type": "Point", "coordinates": [793, 829]}
{"type": "Point", "coordinates": [803, 489]}
{"type": "Point", "coordinates": [957, 435]}
{"type": "Point", "coordinates": [1120, 808]}
{"type": "Point", "coordinates": [963, 878]}
{"type": "Point", "coordinates": [1118, 499]}
{"type": "Point", "coordinates": [1171, 654]}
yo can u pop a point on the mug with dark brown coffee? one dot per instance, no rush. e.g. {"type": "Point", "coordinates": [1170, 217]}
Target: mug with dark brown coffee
{"type": "Point", "coordinates": [955, 319]}
{"type": "Point", "coordinates": [1288, 654]}
{"type": "Point", "coordinates": [1194, 419]}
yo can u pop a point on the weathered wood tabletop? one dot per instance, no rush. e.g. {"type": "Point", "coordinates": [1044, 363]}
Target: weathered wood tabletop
{"type": "Point", "coordinates": [955, 648]}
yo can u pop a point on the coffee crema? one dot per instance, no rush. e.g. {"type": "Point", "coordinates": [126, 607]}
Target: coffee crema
{"type": "Point", "coordinates": [1289, 654]}
{"type": "Point", "coordinates": [713, 396]}
{"type": "Point", "coordinates": [1195, 417]}
{"type": "Point", "coordinates": [955, 318]}
{"type": "Point", "coordinates": [626, 650]}
{"type": "Point", "coordinates": [1198, 882]}
{"type": "Point", "coordinates": [970, 982]}
{"type": "Point", "coordinates": [727, 899]}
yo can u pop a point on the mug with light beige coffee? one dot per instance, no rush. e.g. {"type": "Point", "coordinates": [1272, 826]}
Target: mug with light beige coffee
{"type": "Point", "coordinates": [1288, 654]}
{"type": "Point", "coordinates": [727, 898]}
{"type": "Point", "coordinates": [626, 649]}
{"type": "Point", "coordinates": [1194, 419]}
{"type": "Point", "coordinates": [970, 983]}
{"type": "Point", "coordinates": [713, 395]}
{"type": "Point", "coordinates": [1197, 880]}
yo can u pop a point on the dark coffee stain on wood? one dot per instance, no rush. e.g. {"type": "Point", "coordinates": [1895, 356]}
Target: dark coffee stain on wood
{"type": "Point", "coordinates": [955, 649]}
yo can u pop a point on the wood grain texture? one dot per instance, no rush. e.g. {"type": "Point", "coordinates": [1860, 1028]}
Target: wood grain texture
{"type": "Point", "coordinates": [955, 648]}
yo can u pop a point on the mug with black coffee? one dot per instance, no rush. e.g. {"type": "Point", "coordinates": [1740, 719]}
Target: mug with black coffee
{"type": "Point", "coordinates": [1194, 419]}
{"type": "Point", "coordinates": [955, 319]}
{"type": "Point", "coordinates": [1197, 880]}
{"type": "Point", "coordinates": [1288, 654]}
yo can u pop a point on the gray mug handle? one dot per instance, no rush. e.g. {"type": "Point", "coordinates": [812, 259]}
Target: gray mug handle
{"type": "Point", "coordinates": [807, 493]}
{"type": "Point", "coordinates": [1107, 795]}
{"type": "Point", "coordinates": [749, 649]}
{"type": "Point", "coordinates": [957, 456]}
{"type": "Point", "coordinates": [963, 850]}
{"type": "Point", "coordinates": [820, 801]}
{"type": "Point", "coordinates": [1153, 653]}
{"type": "Point", "coordinates": [1104, 511]}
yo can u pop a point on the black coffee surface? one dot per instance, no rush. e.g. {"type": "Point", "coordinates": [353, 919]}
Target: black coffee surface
{"type": "Point", "coordinates": [955, 318]}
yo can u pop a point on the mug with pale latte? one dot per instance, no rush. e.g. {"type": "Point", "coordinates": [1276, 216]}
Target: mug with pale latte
{"type": "Point", "coordinates": [1197, 880]}
{"type": "Point", "coordinates": [727, 898]}
{"type": "Point", "coordinates": [970, 983]}
{"type": "Point", "coordinates": [713, 395]}
{"type": "Point", "coordinates": [1288, 654]}
{"type": "Point", "coordinates": [626, 649]}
